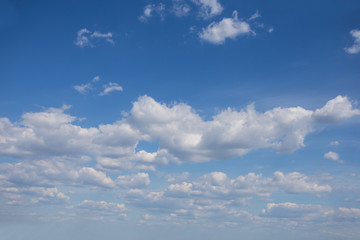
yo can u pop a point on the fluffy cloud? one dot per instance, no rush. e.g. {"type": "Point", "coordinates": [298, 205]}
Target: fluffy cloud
{"type": "Point", "coordinates": [336, 110]}
{"type": "Point", "coordinates": [86, 38]}
{"type": "Point", "coordinates": [355, 48]}
{"type": "Point", "coordinates": [139, 180]}
{"type": "Point", "coordinates": [215, 195]}
{"type": "Point", "coordinates": [333, 156]}
{"type": "Point", "coordinates": [111, 87]}
{"type": "Point", "coordinates": [181, 133]}
{"type": "Point", "coordinates": [218, 32]}
{"type": "Point", "coordinates": [209, 8]}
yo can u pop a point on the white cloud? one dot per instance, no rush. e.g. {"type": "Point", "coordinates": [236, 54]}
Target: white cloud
{"type": "Point", "coordinates": [182, 134]}
{"type": "Point", "coordinates": [110, 87]}
{"type": "Point", "coordinates": [86, 38]}
{"type": "Point", "coordinates": [97, 209]}
{"type": "Point", "coordinates": [209, 8]}
{"type": "Point", "coordinates": [218, 32]}
{"type": "Point", "coordinates": [84, 88]}
{"type": "Point", "coordinates": [293, 210]}
{"type": "Point", "coordinates": [333, 156]}
{"type": "Point", "coordinates": [336, 110]}
{"type": "Point", "coordinates": [355, 48]}
{"type": "Point", "coordinates": [82, 39]}
{"type": "Point", "coordinates": [139, 180]}
{"type": "Point", "coordinates": [215, 195]}
{"type": "Point", "coordinates": [150, 9]}
{"type": "Point", "coordinates": [310, 212]}
{"type": "Point", "coordinates": [180, 8]}
{"type": "Point", "coordinates": [334, 143]}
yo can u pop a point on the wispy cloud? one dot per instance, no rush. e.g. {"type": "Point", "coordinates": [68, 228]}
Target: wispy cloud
{"type": "Point", "coordinates": [85, 88]}
{"type": "Point", "coordinates": [86, 38]}
{"type": "Point", "coordinates": [111, 87]}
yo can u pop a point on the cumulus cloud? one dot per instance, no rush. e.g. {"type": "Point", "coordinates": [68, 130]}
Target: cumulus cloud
{"type": "Point", "coordinates": [139, 180]}
{"type": "Point", "coordinates": [209, 8]}
{"type": "Point", "coordinates": [111, 87]}
{"type": "Point", "coordinates": [218, 32]}
{"type": "Point", "coordinates": [333, 156]}
{"type": "Point", "coordinates": [355, 48]}
{"type": "Point", "coordinates": [336, 110]}
{"type": "Point", "coordinates": [182, 134]}
{"type": "Point", "coordinates": [87, 38]}
{"type": "Point", "coordinates": [151, 9]}
{"type": "Point", "coordinates": [84, 88]}
{"type": "Point", "coordinates": [215, 195]}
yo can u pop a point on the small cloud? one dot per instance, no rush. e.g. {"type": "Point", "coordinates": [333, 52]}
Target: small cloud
{"type": "Point", "coordinates": [271, 29]}
{"type": "Point", "coordinates": [218, 32]}
{"type": "Point", "coordinates": [209, 8]}
{"type": "Point", "coordinates": [334, 143]}
{"type": "Point", "coordinates": [150, 9]}
{"type": "Point", "coordinates": [110, 87]}
{"type": "Point", "coordinates": [84, 88]}
{"type": "Point", "coordinates": [82, 40]}
{"type": "Point", "coordinates": [180, 9]}
{"type": "Point", "coordinates": [355, 48]}
{"type": "Point", "coordinates": [333, 156]}
{"type": "Point", "coordinates": [86, 38]}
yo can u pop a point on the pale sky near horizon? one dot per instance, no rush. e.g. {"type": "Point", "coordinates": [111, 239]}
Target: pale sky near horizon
{"type": "Point", "coordinates": [196, 119]}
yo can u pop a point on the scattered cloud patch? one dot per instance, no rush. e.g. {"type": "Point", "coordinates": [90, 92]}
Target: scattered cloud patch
{"type": "Point", "coordinates": [333, 156]}
{"type": "Point", "coordinates": [309, 212]}
{"type": "Point", "coordinates": [180, 8]}
{"type": "Point", "coordinates": [151, 9]}
{"type": "Point", "coordinates": [85, 88]}
{"type": "Point", "coordinates": [87, 38]}
{"type": "Point", "coordinates": [209, 8]}
{"type": "Point", "coordinates": [355, 48]}
{"type": "Point", "coordinates": [218, 32]}
{"type": "Point", "coordinates": [334, 143]}
{"type": "Point", "coordinates": [111, 87]}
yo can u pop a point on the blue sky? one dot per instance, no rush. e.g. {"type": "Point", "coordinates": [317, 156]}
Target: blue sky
{"type": "Point", "coordinates": [179, 119]}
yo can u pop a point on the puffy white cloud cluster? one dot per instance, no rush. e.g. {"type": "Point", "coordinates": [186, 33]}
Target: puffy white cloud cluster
{"type": "Point", "coordinates": [182, 134]}
{"type": "Point", "coordinates": [209, 8]}
{"type": "Point", "coordinates": [53, 151]}
{"type": "Point", "coordinates": [217, 195]}
{"type": "Point", "coordinates": [218, 32]}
